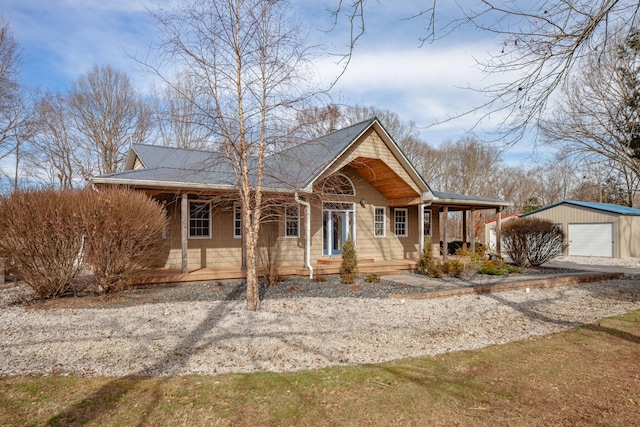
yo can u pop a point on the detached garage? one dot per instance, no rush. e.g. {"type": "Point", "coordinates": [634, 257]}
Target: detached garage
{"type": "Point", "coordinates": [596, 229]}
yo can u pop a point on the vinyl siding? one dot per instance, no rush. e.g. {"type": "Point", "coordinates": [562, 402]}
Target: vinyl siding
{"type": "Point", "coordinates": [569, 214]}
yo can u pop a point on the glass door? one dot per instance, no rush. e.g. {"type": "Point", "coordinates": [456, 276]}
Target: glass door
{"type": "Point", "coordinates": [337, 226]}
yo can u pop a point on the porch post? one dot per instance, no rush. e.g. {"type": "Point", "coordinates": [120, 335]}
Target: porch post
{"type": "Point", "coordinates": [498, 231]}
{"type": "Point", "coordinates": [184, 220]}
{"type": "Point", "coordinates": [464, 228]}
{"type": "Point", "coordinates": [445, 222]}
{"type": "Point", "coordinates": [472, 233]}
{"type": "Point", "coordinates": [420, 229]}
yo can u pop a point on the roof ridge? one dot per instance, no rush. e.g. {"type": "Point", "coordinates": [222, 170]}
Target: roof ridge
{"type": "Point", "coordinates": [169, 147]}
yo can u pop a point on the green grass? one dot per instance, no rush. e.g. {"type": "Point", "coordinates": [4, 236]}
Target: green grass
{"type": "Point", "coordinates": [586, 376]}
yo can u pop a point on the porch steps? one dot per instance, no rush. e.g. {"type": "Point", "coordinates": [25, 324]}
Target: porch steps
{"type": "Point", "coordinates": [369, 266]}
{"type": "Point", "coordinates": [338, 261]}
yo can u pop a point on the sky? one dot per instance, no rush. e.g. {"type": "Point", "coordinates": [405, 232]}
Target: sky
{"type": "Point", "coordinates": [390, 69]}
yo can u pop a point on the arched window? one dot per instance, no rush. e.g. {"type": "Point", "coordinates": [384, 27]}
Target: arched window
{"type": "Point", "coordinates": [338, 184]}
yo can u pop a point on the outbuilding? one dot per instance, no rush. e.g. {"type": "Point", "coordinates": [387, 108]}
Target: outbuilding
{"type": "Point", "coordinates": [595, 229]}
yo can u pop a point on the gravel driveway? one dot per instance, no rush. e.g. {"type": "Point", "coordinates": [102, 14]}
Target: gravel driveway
{"type": "Point", "coordinates": [212, 336]}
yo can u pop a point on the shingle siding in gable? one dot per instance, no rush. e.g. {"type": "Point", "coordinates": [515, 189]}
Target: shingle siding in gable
{"type": "Point", "coordinates": [373, 147]}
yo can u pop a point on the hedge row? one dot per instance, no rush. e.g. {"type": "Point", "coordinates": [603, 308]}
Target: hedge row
{"type": "Point", "coordinates": [52, 238]}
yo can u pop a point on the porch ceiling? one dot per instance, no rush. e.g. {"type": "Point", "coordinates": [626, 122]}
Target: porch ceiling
{"type": "Point", "coordinates": [383, 178]}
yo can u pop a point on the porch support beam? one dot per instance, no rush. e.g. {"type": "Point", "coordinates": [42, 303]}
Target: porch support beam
{"type": "Point", "coordinates": [184, 234]}
{"type": "Point", "coordinates": [498, 231]}
{"type": "Point", "coordinates": [445, 223]}
{"type": "Point", "coordinates": [472, 232]}
{"type": "Point", "coordinates": [420, 229]}
{"type": "Point", "coordinates": [464, 228]}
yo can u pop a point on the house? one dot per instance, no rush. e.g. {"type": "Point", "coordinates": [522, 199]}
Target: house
{"type": "Point", "coordinates": [595, 229]}
{"type": "Point", "coordinates": [355, 182]}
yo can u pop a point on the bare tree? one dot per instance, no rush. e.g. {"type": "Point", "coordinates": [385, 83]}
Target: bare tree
{"type": "Point", "coordinates": [246, 59]}
{"type": "Point", "coordinates": [110, 115]}
{"type": "Point", "coordinates": [319, 121]}
{"type": "Point", "coordinates": [599, 116]}
{"type": "Point", "coordinates": [543, 43]}
{"type": "Point", "coordinates": [10, 93]}
{"type": "Point", "coordinates": [178, 121]}
{"type": "Point", "coordinates": [55, 145]}
{"type": "Point", "coordinates": [471, 167]}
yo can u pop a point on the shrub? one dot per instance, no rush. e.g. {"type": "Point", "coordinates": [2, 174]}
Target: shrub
{"type": "Point", "coordinates": [124, 234]}
{"type": "Point", "coordinates": [372, 278]}
{"type": "Point", "coordinates": [426, 264]}
{"type": "Point", "coordinates": [453, 268]}
{"type": "Point", "coordinates": [50, 236]}
{"type": "Point", "coordinates": [349, 266]}
{"type": "Point", "coordinates": [319, 275]}
{"type": "Point", "coordinates": [532, 241]}
{"type": "Point", "coordinates": [42, 233]}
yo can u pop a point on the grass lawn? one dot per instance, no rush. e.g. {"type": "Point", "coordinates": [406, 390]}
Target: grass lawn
{"type": "Point", "coordinates": [586, 376]}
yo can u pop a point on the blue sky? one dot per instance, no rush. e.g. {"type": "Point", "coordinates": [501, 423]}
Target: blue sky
{"type": "Point", "coordinates": [62, 39]}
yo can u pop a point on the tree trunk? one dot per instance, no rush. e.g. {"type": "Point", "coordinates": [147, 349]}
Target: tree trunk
{"type": "Point", "coordinates": [253, 286]}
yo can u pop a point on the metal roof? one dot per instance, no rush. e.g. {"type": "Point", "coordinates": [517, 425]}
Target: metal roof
{"type": "Point", "coordinates": [289, 170]}
{"type": "Point", "coordinates": [603, 207]}
{"type": "Point", "coordinates": [446, 198]}
{"type": "Point", "coordinates": [293, 165]}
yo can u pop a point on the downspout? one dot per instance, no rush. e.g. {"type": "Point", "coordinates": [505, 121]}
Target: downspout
{"type": "Point", "coordinates": [307, 243]}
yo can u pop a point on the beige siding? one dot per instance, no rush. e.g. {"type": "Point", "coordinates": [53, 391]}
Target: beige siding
{"type": "Point", "coordinates": [629, 236]}
{"type": "Point", "coordinates": [569, 214]}
{"type": "Point", "coordinates": [221, 250]}
{"type": "Point", "coordinates": [371, 146]}
{"type": "Point", "coordinates": [367, 245]}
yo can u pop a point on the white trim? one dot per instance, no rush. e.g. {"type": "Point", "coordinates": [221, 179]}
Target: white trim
{"type": "Point", "coordinates": [237, 209]}
{"type": "Point", "coordinates": [406, 222]}
{"type": "Point", "coordinates": [353, 187]}
{"type": "Point", "coordinates": [354, 227]}
{"type": "Point", "coordinates": [209, 226]}
{"type": "Point", "coordinates": [287, 219]}
{"type": "Point", "coordinates": [427, 211]}
{"type": "Point", "coordinates": [384, 222]}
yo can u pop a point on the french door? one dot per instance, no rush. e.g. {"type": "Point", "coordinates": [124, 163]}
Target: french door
{"type": "Point", "coordinates": [337, 226]}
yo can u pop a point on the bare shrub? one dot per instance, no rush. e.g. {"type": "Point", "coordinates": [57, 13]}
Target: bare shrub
{"type": "Point", "coordinates": [42, 234]}
{"type": "Point", "coordinates": [532, 241]}
{"type": "Point", "coordinates": [124, 234]}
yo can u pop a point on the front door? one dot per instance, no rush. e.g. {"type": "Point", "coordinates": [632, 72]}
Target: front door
{"type": "Point", "coordinates": [337, 227]}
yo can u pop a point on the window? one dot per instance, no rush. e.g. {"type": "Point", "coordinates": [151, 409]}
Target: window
{"type": "Point", "coordinates": [291, 220]}
{"type": "Point", "coordinates": [237, 221]}
{"type": "Point", "coordinates": [338, 184]}
{"type": "Point", "coordinates": [400, 222]}
{"type": "Point", "coordinates": [378, 222]}
{"type": "Point", "coordinates": [427, 222]}
{"type": "Point", "coordinates": [199, 220]}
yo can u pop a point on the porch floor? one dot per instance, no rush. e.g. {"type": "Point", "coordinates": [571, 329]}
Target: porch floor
{"type": "Point", "coordinates": [365, 266]}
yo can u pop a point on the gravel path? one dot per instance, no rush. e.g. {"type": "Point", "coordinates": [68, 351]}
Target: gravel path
{"type": "Point", "coordinates": [212, 336]}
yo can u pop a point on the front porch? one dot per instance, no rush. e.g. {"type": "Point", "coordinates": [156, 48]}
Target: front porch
{"type": "Point", "coordinates": [324, 267]}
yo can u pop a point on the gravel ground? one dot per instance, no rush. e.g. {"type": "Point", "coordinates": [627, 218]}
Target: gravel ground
{"type": "Point", "coordinates": [206, 329]}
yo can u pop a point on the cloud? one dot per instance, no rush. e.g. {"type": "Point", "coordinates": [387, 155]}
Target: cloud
{"type": "Point", "coordinates": [427, 85]}
{"type": "Point", "coordinates": [61, 40]}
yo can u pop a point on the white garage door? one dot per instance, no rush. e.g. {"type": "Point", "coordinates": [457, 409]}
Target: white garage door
{"type": "Point", "coordinates": [591, 240]}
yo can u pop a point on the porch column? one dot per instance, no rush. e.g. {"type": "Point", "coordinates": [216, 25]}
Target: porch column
{"type": "Point", "coordinates": [184, 235]}
{"type": "Point", "coordinates": [420, 229]}
{"type": "Point", "coordinates": [445, 245]}
{"type": "Point", "coordinates": [472, 233]}
{"type": "Point", "coordinates": [498, 231]}
{"type": "Point", "coordinates": [464, 228]}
